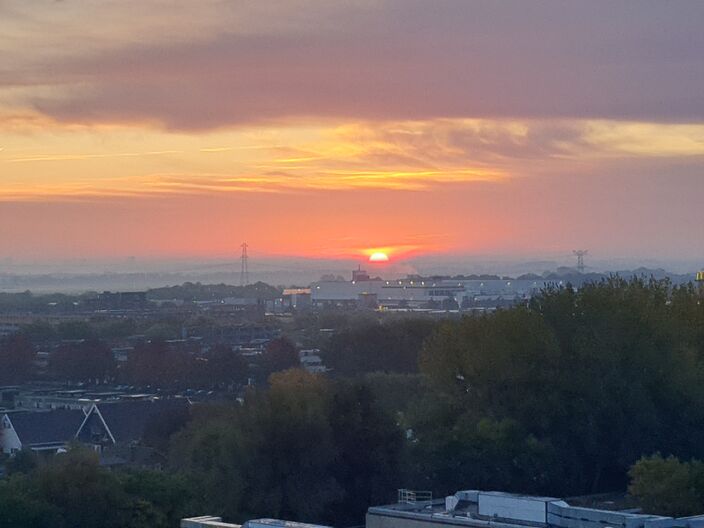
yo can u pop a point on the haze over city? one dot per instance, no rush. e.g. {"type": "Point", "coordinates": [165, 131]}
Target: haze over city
{"type": "Point", "coordinates": [434, 130]}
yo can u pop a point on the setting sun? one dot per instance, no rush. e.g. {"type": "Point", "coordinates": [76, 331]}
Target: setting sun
{"type": "Point", "coordinates": [379, 257]}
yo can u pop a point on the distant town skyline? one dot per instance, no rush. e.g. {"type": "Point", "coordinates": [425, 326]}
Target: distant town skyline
{"type": "Point", "coordinates": [336, 130]}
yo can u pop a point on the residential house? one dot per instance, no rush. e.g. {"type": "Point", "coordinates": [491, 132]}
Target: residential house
{"type": "Point", "coordinates": [39, 430]}
{"type": "Point", "coordinates": [124, 423]}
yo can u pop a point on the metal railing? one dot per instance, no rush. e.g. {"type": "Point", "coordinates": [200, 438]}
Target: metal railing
{"type": "Point", "coordinates": [406, 496]}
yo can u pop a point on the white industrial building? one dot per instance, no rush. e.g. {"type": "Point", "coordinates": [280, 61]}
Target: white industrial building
{"type": "Point", "coordinates": [484, 509]}
{"type": "Point", "coordinates": [209, 521]}
{"type": "Point", "coordinates": [494, 509]}
{"type": "Point", "coordinates": [424, 292]}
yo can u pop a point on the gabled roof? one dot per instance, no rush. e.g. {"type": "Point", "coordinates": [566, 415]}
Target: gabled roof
{"type": "Point", "coordinates": [127, 420]}
{"type": "Point", "coordinates": [46, 427]}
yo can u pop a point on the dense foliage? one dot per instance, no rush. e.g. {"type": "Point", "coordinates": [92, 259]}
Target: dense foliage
{"type": "Point", "coordinates": [195, 291]}
{"type": "Point", "coordinates": [307, 450]}
{"type": "Point", "coordinates": [16, 357]}
{"type": "Point", "coordinates": [73, 491]}
{"type": "Point", "coordinates": [667, 486]}
{"type": "Point", "coordinates": [580, 384]}
{"type": "Point", "coordinates": [374, 346]}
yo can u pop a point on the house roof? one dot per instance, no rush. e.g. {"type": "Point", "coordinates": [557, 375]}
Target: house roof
{"type": "Point", "coordinates": [46, 427]}
{"type": "Point", "coordinates": [127, 420]}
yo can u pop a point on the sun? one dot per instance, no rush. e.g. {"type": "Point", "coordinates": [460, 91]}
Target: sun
{"type": "Point", "coordinates": [378, 257]}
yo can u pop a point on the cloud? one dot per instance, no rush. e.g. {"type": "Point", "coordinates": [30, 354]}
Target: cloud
{"type": "Point", "coordinates": [392, 60]}
{"type": "Point", "coordinates": [396, 155]}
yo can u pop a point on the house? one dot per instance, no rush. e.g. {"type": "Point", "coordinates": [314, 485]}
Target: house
{"type": "Point", "coordinates": [311, 361]}
{"type": "Point", "coordinates": [39, 430]}
{"type": "Point", "coordinates": [124, 423]}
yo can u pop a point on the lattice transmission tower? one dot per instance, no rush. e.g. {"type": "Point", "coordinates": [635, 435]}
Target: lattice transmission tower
{"type": "Point", "coordinates": [244, 265]}
{"type": "Point", "coordinates": [580, 254]}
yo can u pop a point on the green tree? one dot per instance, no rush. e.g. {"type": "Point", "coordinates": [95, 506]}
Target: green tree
{"type": "Point", "coordinates": [23, 462]}
{"type": "Point", "coordinates": [306, 449]}
{"type": "Point", "coordinates": [165, 497]}
{"type": "Point", "coordinates": [22, 506]}
{"type": "Point", "coordinates": [86, 495]}
{"type": "Point", "coordinates": [667, 486]}
{"type": "Point", "coordinates": [371, 346]}
{"type": "Point", "coordinates": [599, 376]}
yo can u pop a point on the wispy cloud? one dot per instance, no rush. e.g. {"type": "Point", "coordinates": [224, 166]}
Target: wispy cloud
{"type": "Point", "coordinates": [79, 157]}
{"type": "Point", "coordinates": [403, 156]}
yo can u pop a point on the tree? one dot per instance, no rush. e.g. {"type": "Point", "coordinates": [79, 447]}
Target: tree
{"type": "Point", "coordinates": [17, 359]}
{"type": "Point", "coordinates": [23, 462]}
{"type": "Point", "coordinates": [306, 449]}
{"type": "Point", "coordinates": [166, 497]}
{"type": "Point", "coordinates": [87, 360]}
{"type": "Point", "coordinates": [39, 330]}
{"type": "Point", "coordinates": [667, 486]}
{"type": "Point", "coordinates": [85, 494]}
{"type": "Point", "coordinates": [22, 506]}
{"type": "Point", "coordinates": [598, 376]}
{"type": "Point", "coordinates": [161, 428]}
{"type": "Point", "coordinates": [370, 447]}
{"type": "Point", "coordinates": [374, 347]}
{"type": "Point", "coordinates": [75, 330]}
{"type": "Point", "coordinates": [71, 490]}
{"type": "Point", "coordinates": [280, 354]}
{"type": "Point", "coordinates": [226, 366]}
{"type": "Point", "coordinates": [154, 363]}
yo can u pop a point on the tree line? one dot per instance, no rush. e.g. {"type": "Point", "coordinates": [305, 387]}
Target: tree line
{"type": "Point", "coordinates": [151, 363]}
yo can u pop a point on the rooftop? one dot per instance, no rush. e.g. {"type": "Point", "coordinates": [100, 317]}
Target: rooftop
{"type": "Point", "coordinates": [46, 427]}
{"type": "Point", "coordinates": [207, 521]}
{"type": "Point", "coordinates": [491, 509]}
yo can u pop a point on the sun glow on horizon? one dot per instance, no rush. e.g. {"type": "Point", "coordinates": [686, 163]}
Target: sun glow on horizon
{"type": "Point", "coordinates": [378, 256]}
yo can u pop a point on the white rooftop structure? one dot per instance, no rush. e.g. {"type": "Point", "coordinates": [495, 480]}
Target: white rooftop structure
{"type": "Point", "coordinates": [417, 290]}
{"type": "Point", "coordinates": [494, 509]}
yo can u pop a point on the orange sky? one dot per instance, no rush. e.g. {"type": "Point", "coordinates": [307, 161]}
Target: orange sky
{"type": "Point", "coordinates": [132, 128]}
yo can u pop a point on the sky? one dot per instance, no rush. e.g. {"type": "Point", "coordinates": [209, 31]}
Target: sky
{"type": "Point", "coordinates": [331, 130]}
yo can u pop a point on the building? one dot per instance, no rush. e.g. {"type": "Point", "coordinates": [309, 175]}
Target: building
{"type": "Point", "coordinates": [7, 330]}
{"type": "Point", "coordinates": [416, 292]}
{"type": "Point", "coordinates": [483, 509]}
{"type": "Point", "coordinates": [44, 398]}
{"type": "Point", "coordinates": [311, 361]}
{"type": "Point", "coordinates": [47, 431]}
{"type": "Point", "coordinates": [124, 423]}
{"type": "Point", "coordinates": [235, 335]}
{"type": "Point", "coordinates": [118, 301]}
{"type": "Point", "coordinates": [492, 509]}
{"type": "Point", "coordinates": [296, 298]}
{"type": "Point", "coordinates": [208, 521]}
